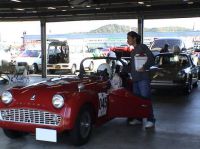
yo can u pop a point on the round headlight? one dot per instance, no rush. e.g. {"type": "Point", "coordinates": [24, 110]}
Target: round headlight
{"type": "Point", "coordinates": [58, 101]}
{"type": "Point", "coordinates": [6, 97]}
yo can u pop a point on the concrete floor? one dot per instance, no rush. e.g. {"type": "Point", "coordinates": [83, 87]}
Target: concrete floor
{"type": "Point", "coordinates": [177, 127]}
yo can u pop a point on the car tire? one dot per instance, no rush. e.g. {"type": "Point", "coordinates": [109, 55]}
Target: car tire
{"type": "Point", "coordinates": [52, 71]}
{"type": "Point", "coordinates": [188, 88]}
{"type": "Point", "coordinates": [35, 68]}
{"type": "Point", "coordinates": [195, 85]}
{"type": "Point", "coordinates": [91, 66]}
{"type": "Point", "coordinates": [12, 134]}
{"type": "Point", "coordinates": [73, 69]}
{"type": "Point", "coordinates": [81, 132]}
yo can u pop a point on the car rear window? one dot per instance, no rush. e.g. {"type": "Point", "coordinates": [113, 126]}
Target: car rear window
{"type": "Point", "coordinates": [161, 42]}
{"type": "Point", "coordinates": [172, 60]}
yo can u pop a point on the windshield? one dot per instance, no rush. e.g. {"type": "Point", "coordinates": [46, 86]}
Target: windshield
{"type": "Point", "coordinates": [30, 53]}
{"type": "Point", "coordinates": [161, 42]}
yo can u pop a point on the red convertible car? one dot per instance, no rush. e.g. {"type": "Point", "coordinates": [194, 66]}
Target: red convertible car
{"type": "Point", "coordinates": [72, 104]}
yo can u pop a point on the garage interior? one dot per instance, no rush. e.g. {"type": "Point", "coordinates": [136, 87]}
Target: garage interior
{"type": "Point", "coordinates": [178, 123]}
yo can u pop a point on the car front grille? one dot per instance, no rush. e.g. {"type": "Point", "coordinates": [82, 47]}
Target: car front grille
{"type": "Point", "coordinates": [30, 116]}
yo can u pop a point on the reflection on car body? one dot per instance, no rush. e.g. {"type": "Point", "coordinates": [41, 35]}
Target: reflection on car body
{"type": "Point", "coordinates": [174, 70]}
{"type": "Point", "coordinates": [73, 104]}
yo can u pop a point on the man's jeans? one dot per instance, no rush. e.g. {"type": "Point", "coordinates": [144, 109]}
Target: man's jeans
{"type": "Point", "coordinates": [142, 88]}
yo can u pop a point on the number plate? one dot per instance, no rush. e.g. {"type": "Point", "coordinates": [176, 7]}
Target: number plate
{"type": "Point", "coordinates": [103, 104]}
{"type": "Point", "coordinates": [46, 135]}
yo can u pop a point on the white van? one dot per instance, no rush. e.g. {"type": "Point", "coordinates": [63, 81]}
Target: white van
{"type": "Point", "coordinates": [61, 57]}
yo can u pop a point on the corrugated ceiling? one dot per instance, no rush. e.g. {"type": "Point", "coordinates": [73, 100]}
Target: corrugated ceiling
{"type": "Point", "coordinates": [64, 10]}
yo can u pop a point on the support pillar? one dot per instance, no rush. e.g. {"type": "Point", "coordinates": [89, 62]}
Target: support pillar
{"type": "Point", "coordinates": [141, 27]}
{"type": "Point", "coordinates": [43, 48]}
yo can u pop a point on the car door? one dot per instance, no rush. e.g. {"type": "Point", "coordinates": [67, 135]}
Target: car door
{"type": "Point", "coordinates": [122, 103]}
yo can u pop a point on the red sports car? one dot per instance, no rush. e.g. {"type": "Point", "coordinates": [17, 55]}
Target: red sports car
{"type": "Point", "coordinates": [124, 49]}
{"type": "Point", "coordinates": [72, 104]}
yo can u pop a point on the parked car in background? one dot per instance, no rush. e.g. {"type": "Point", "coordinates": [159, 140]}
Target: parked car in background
{"type": "Point", "coordinates": [72, 104]}
{"type": "Point", "coordinates": [124, 49]}
{"type": "Point", "coordinates": [196, 56]}
{"type": "Point", "coordinates": [100, 51]}
{"type": "Point", "coordinates": [6, 62]}
{"type": "Point", "coordinates": [62, 56]}
{"type": "Point", "coordinates": [174, 71]}
{"type": "Point", "coordinates": [29, 59]}
{"type": "Point", "coordinates": [5, 57]}
{"type": "Point", "coordinates": [159, 43]}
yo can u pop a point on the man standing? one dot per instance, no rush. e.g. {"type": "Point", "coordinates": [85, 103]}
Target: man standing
{"type": "Point", "coordinates": [141, 60]}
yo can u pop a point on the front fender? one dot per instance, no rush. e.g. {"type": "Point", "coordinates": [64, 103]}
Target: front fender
{"type": "Point", "coordinates": [76, 101]}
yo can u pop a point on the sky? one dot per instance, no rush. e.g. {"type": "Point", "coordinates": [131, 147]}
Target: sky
{"type": "Point", "coordinates": [13, 31]}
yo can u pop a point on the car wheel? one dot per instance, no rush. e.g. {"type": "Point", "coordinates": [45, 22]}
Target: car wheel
{"type": "Point", "coordinates": [73, 69]}
{"type": "Point", "coordinates": [188, 88]}
{"type": "Point", "coordinates": [91, 66]}
{"type": "Point", "coordinates": [81, 132]}
{"type": "Point", "coordinates": [13, 134]}
{"type": "Point", "coordinates": [195, 85]}
{"type": "Point", "coordinates": [35, 68]}
{"type": "Point", "coordinates": [52, 71]}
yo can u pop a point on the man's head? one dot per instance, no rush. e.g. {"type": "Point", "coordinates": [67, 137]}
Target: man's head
{"type": "Point", "coordinates": [133, 38]}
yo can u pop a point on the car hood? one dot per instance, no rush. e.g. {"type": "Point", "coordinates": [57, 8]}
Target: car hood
{"type": "Point", "coordinates": [48, 87]}
{"type": "Point", "coordinates": [40, 94]}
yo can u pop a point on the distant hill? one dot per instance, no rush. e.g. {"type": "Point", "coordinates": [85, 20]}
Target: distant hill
{"type": "Point", "coordinates": [115, 28]}
{"type": "Point", "coordinates": [167, 29]}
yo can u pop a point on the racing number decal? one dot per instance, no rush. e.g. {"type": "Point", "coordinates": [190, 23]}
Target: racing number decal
{"type": "Point", "coordinates": [103, 102]}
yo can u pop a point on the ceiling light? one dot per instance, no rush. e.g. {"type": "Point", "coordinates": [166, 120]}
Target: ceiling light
{"type": "Point", "coordinates": [88, 6]}
{"type": "Point", "coordinates": [141, 3]}
{"type": "Point", "coordinates": [148, 5]}
{"type": "Point", "coordinates": [20, 9]}
{"type": "Point", "coordinates": [51, 8]}
{"type": "Point", "coordinates": [97, 8]}
{"type": "Point", "coordinates": [190, 3]}
{"type": "Point", "coordinates": [63, 10]}
{"type": "Point", "coordinates": [18, 1]}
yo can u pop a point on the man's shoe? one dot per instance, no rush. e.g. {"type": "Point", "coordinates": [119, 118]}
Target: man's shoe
{"type": "Point", "coordinates": [135, 122]}
{"type": "Point", "coordinates": [149, 124]}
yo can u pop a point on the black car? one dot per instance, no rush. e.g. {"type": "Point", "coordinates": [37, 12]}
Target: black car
{"type": "Point", "coordinates": [174, 70]}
